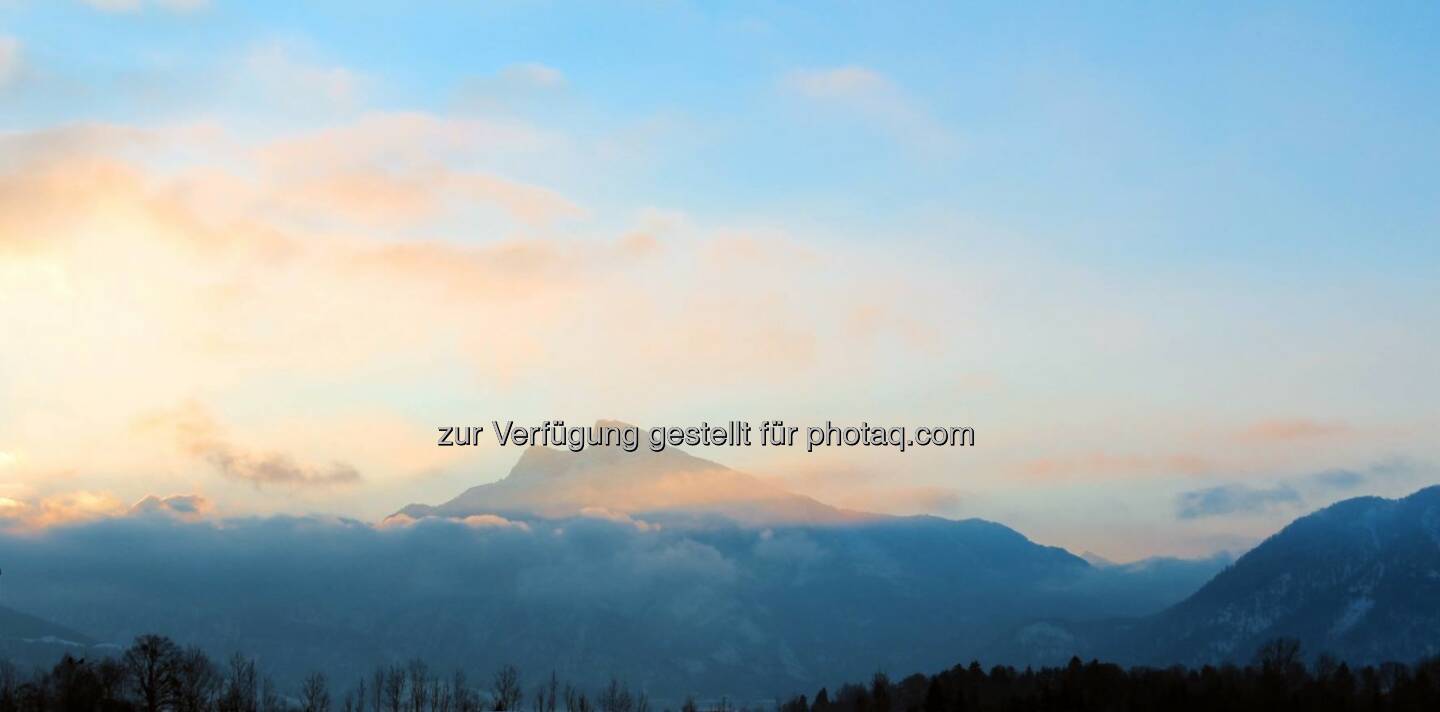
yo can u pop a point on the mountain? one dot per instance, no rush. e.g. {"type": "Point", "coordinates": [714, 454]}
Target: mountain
{"type": "Point", "coordinates": [678, 574]}
{"type": "Point", "coordinates": [27, 639]}
{"type": "Point", "coordinates": [1359, 580]}
{"type": "Point", "coordinates": [553, 483]}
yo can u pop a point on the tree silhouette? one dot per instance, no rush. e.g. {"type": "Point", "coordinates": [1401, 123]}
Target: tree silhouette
{"type": "Point", "coordinates": [505, 693]}
{"type": "Point", "coordinates": [152, 662]}
{"type": "Point", "coordinates": [315, 694]}
{"type": "Point", "coordinates": [155, 674]}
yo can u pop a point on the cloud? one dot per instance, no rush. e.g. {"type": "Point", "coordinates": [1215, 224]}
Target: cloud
{"type": "Point", "coordinates": [388, 197]}
{"type": "Point", "coordinates": [200, 436]}
{"type": "Point", "coordinates": [254, 272]}
{"type": "Point", "coordinates": [10, 61]}
{"type": "Point", "coordinates": [617, 517]}
{"type": "Point", "coordinates": [1295, 490]}
{"type": "Point", "coordinates": [58, 510]}
{"type": "Point", "coordinates": [288, 74]}
{"type": "Point", "coordinates": [275, 468]}
{"type": "Point", "coordinates": [1233, 499]}
{"type": "Point", "coordinates": [1114, 465]}
{"type": "Point", "coordinates": [863, 490]}
{"type": "Point", "coordinates": [532, 74]}
{"type": "Point", "coordinates": [486, 573]}
{"type": "Point", "coordinates": [1279, 431]}
{"type": "Point", "coordinates": [120, 6]}
{"type": "Point", "coordinates": [405, 170]}
{"type": "Point", "coordinates": [492, 521]}
{"type": "Point", "coordinates": [1338, 479]}
{"type": "Point", "coordinates": [474, 521]}
{"type": "Point", "coordinates": [1383, 473]}
{"type": "Point", "coordinates": [190, 507]}
{"type": "Point", "coordinates": [402, 140]}
{"type": "Point", "coordinates": [115, 5]}
{"type": "Point", "coordinates": [511, 87]}
{"type": "Point", "coordinates": [869, 94]}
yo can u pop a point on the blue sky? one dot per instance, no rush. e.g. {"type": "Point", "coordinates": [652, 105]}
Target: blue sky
{"type": "Point", "coordinates": [1276, 134]}
{"type": "Point", "coordinates": [1121, 236]}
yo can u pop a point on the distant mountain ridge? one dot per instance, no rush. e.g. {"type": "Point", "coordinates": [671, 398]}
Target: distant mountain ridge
{"type": "Point", "coordinates": [32, 640]}
{"type": "Point", "coordinates": [25, 628]}
{"type": "Point", "coordinates": [1359, 580]}
{"type": "Point", "coordinates": [743, 589]}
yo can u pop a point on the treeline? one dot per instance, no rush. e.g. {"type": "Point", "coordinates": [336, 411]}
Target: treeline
{"type": "Point", "coordinates": [1278, 679]}
{"type": "Point", "coordinates": [156, 675]}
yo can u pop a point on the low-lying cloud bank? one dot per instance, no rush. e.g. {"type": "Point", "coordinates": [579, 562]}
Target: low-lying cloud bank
{"type": "Point", "coordinates": [679, 607]}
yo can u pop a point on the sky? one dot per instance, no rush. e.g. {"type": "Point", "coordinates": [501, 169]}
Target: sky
{"type": "Point", "coordinates": [1175, 265]}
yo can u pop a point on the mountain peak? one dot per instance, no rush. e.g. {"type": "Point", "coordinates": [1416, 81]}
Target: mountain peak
{"type": "Point", "coordinates": [552, 483]}
{"type": "Point", "coordinates": [618, 424]}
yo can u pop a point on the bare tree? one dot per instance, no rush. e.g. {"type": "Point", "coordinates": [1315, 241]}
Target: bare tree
{"type": "Point", "coordinates": [270, 700]}
{"type": "Point", "coordinates": [464, 699]}
{"type": "Point", "coordinates": [546, 694]}
{"type": "Point", "coordinates": [197, 682]}
{"type": "Point", "coordinates": [239, 695]}
{"type": "Point", "coordinates": [377, 689]}
{"type": "Point", "coordinates": [419, 684]}
{"type": "Point", "coordinates": [616, 698]}
{"type": "Point", "coordinates": [505, 690]}
{"type": "Point", "coordinates": [439, 695]}
{"type": "Point", "coordinates": [315, 694]}
{"type": "Point", "coordinates": [575, 700]}
{"type": "Point", "coordinates": [9, 681]}
{"type": "Point", "coordinates": [151, 661]}
{"type": "Point", "coordinates": [394, 688]}
{"type": "Point", "coordinates": [1278, 655]}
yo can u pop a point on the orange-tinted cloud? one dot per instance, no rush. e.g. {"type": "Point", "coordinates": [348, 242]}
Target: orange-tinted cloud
{"type": "Point", "coordinates": [58, 510]}
{"type": "Point", "coordinates": [200, 436]}
{"type": "Point", "coordinates": [1276, 431]}
{"type": "Point", "coordinates": [862, 490]}
{"type": "Point", "coordinates": [1105, 464]}
{"type": "Point", "coordinates": [218, 285]}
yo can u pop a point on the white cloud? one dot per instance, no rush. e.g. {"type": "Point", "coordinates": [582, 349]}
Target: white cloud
{"type": "Point", "coordinates": [610, 515]}
{"type": "Point", "coordinates": [534, 74]}
{"type": "Point", "coordinates": [510, 87]}
{"type": "Point", "coordinates": [842, 82]}
{"type": "Point", "coordinates": [874, 97]}
{"type": "Point", "coordinates": [9, 60]}
{"type": "Point", "coordinates": [115, 5]}
{"type": "Point", "coordinates": [140, 5]}
{"type": "Point", "coordinates": [284, 70]}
